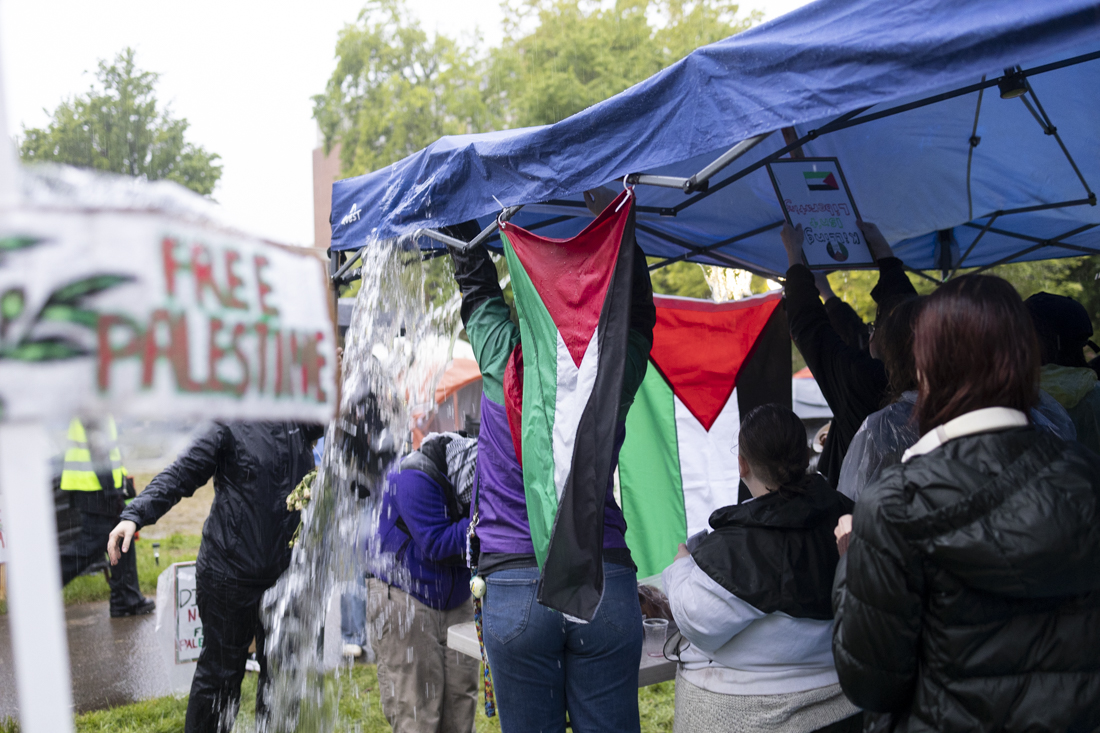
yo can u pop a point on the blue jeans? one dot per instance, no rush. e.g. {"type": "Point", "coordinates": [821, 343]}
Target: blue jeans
{"type": "Point", "coordinates": [353, 615]}
{"type": "Point", "coordinates": [543, 665]}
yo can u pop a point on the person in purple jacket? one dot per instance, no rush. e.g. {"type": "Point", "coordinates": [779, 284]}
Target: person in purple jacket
{"type": "Point", "coordinates": [544, 664]}
{"type": "Point", "coordinates": [420, 587]}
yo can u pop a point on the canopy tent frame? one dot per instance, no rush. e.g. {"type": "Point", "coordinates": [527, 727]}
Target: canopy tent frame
{"type": "Point", "coordinates": [699, 184]}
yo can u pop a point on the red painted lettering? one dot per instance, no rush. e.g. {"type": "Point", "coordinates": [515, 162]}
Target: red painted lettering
{"type": "Point", "coordinates": [233, 282]}
{"type": "Point", "coordinates": [264, 288]}
{"type": "Point", "coordinates": [215, 354]}
{"type": "Point", "coordinates": [235, 346]}
{"type": "Point", "coordinates": [261, 332]}
{"type": "Point", "coordinates": [158, 322]}
{"type": "Point", "coordinates": [171, 264]}
{"type": "Point", "coordinates": [203, 269]}
{"type": "Point", "coordinates": [282, 382]}
{"type": "Point", "coordinates": [107, 328]}
{"type": "Point", "coordinates": [181, 357]}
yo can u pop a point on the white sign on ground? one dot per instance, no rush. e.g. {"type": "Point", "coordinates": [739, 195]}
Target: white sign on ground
{"type": "Point", "coordinates": [134, 313]}
{"type": "Point", "coordinates": [813, 193]}
{"type": "Point", "coordinates": [188, 624]}
{"type": "Point", "coordinates": [179, 628]}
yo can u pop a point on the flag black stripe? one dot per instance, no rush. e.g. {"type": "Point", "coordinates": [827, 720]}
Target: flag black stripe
{"type": "Point", "coordinates": [572, 577]}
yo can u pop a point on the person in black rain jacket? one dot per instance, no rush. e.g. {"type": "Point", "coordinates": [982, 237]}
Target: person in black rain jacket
{"type": "Point", "coordinates": [245, 546]}
{"type": "Point", "coordinates": [969, 597]}
{"type": "Point", "coordinates": [852, 380]}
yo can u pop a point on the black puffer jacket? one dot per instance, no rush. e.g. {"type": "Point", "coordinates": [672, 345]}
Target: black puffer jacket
{"type": "Point", "coordinates": [969, 599]}
{"type": "Point", "coordinates": [255, 465]}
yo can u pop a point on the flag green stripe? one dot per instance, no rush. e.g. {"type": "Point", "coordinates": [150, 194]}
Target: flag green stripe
{"type": "Point", "coordinates": [539, 336]}
{"type": "Point", "coordinates": [649, 476]}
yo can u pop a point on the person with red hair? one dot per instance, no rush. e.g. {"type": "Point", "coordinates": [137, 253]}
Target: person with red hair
{"type": "Point", "coordinates": [969, 597]}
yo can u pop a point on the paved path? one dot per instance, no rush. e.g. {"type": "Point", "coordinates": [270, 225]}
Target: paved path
{"type": "Point", "coordinates": [114, 661]}
{"type": "Point", "coordinates": [118, 661]}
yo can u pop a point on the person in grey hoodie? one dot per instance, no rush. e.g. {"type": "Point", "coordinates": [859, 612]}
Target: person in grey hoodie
{"type": "Point", "coordinates": [752, 599]}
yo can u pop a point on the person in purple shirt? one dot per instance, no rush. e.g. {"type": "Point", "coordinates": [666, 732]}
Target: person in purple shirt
{"type": "Point", "coordinates": [544, 664]}
{"type": "Point", "coordinates": [420, 587]}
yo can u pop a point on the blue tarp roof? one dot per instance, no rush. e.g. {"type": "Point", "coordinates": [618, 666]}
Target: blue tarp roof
{"type": "Point", "coordinates": [908, 172]}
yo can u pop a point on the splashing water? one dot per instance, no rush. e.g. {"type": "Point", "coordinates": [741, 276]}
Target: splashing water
{"type": "Point", "coordinates": [395, 351]}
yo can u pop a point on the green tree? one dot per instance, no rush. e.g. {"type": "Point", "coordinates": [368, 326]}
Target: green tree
{"type": "Point", "coordinates": [680, 278]}
{"type": "Point", "coordinates": [395, 90]}
{"type": "Point", "coordinates": [117, 126]}
{"type": "Point", "coordinates": [1077, 277]}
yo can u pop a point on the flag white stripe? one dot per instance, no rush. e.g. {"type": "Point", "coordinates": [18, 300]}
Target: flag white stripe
{"type": "Point", "coordinates": [574, 388]}
{"type": "Point", "coordinates": [708, 462]}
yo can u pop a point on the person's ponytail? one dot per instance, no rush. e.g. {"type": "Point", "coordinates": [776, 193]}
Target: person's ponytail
{"type": "Point", "coordinates": [773, 441]}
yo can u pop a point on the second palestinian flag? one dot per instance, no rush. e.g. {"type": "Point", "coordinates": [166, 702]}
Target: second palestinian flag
{"type": "Point", "coordinates": [573, 300]}
{"type": "Point", "coordinates": [710, 365]}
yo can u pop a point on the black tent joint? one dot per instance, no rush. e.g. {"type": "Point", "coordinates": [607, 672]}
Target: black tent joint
{"type": "Point", "coordinates": [701, 180]}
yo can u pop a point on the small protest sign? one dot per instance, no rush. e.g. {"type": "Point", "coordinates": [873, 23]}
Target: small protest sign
{"type": "Point", "coordinates": [188, 624]}
{"type": "Point", "coordinates": [814, 193]}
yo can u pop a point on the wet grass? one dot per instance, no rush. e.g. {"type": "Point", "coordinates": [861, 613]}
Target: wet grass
{"type": "Point", "coordinates": [359, 711]}
{"type": "Point", "coordinates": [177, 548]}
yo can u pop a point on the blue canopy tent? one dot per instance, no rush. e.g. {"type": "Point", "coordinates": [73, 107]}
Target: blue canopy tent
{"type": "Point", "coordinates": [967, 130]}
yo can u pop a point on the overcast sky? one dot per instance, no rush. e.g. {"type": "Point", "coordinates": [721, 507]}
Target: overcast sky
{"type": "Point", "coordinates": [242, 72]}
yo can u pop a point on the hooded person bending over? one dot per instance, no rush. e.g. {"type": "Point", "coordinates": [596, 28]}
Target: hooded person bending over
{"type": "Point", "coordinates": [421, 587]}
{"type": "Point", "coordinates": [245, 547]}
{"type": "Point", "coordinates": [543, 663]}
{"type": "Point", "coordinates": [853, 381]}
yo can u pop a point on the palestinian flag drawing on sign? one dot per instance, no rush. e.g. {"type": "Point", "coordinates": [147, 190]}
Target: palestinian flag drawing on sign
{"type": "Point", "coordinates": [573, 300]}
{"type": "Point", "coordinates": [711, 363]}
{"type": "Point", "coordinates": [820, 181]}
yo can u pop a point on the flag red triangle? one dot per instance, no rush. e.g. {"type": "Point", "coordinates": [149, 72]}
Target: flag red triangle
{"type": "Point", "coordinates": [830, 181]}
{"type": "Point", "coordinates": [700, 347]}
{"type": "Point", "coordinates": [572, 275]}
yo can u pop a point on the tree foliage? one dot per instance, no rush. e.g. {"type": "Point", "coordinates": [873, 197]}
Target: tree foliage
{"type": "Point", "coordinates": [1077, 277]}
{"type": "Point", "coordinates": [396, 89]}
{"type": "Point", "coordinates": [118, 127]}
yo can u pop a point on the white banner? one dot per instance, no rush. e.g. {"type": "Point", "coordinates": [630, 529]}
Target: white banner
{"type": "Point", "coordinates": [139, 314]}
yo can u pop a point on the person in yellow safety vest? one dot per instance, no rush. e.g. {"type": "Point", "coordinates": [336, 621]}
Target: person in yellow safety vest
{"type": "Point", "coordinates": [97, 485]}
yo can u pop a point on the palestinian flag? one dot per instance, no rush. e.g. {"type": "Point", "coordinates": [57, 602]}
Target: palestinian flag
{"type": "Point", "coordinates": [823, 181]}
{"type": "Point", "coordinates": [573, 300]}
{"type": "Point", "coordinates": [711, 363]}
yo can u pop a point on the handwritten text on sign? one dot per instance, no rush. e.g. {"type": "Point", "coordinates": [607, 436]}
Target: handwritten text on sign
{"type": "Point", "coordinates": [129, 313]}
{"type": "Point", "coordinates": [188, 624]}
{"type": "Point", "coordinates": [813, 193]}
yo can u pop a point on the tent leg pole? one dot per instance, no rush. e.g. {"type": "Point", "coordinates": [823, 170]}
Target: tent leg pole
{"type": "Point", "coordinates": [38, 637]}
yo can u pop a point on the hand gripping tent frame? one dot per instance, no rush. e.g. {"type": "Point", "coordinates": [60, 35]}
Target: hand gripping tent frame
{"type": "Point", "coordinates": [965, 129]}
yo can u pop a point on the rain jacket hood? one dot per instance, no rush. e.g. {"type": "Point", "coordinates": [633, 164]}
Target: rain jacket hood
{"type": "Point", "coordinates": [1068, 385]}
{"type": "Point", "coordinates": [255, 465]}
{"type": "Point", "coordinates": [777, 552]}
